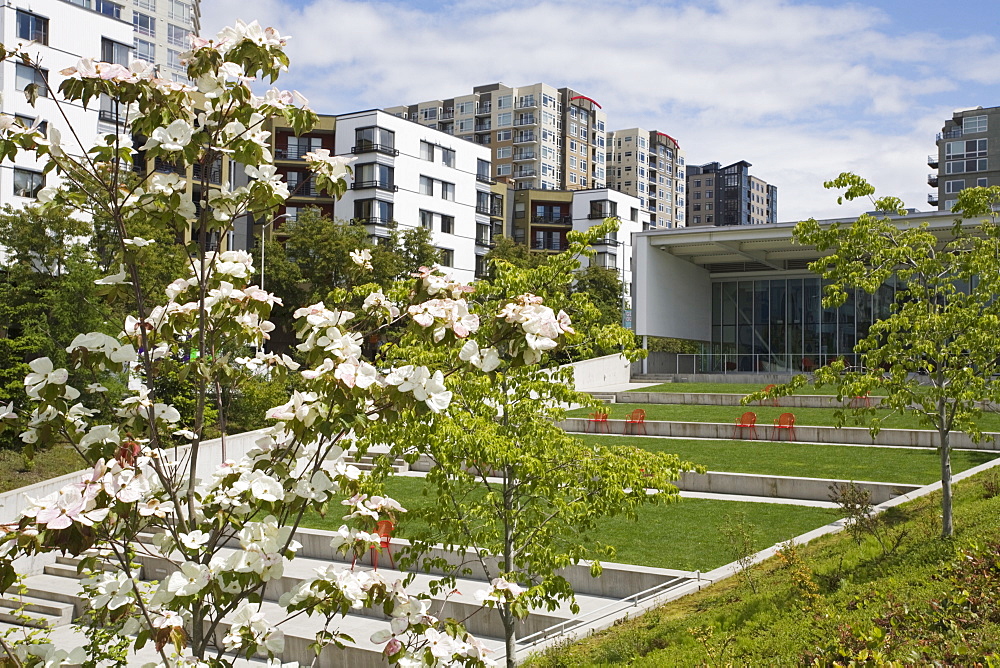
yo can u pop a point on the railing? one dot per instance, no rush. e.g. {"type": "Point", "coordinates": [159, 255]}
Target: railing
{"type": "Point", "coordinates": [524, 155]}
{"type": "Point", "coordinates": [111, 116]}
{"type": "Point", "coordinates": [381, 185]}
{"type": "Point", "coordinates": [524, 173]}
{"type": "Point", "coordinates": [933, 160]}
{"type": "Point", "coordinates": [615, 608]}
{"type": "Point", "coordinates": [548, 219]}
{"type": "Point", "coordinates": [485, 178]}
{"type": "Point", "coordinates": [527, 120]}
{"type": "Point", "coordinates": [483, 127]}
{"type": "Point", "coordinates": [954, 133]}
{"type": "Point", "coordinates": [524, 138]}
{"type": "Point", "coordinates": [292, 152]}
{"type": "Point", "coordinates": [374, 148]}
{"type": "Point", "coordinates": [755, 362]}
{"type": "Point", "coordinates": [447, 114]}
{"type": "Point", "coordinates": [601, 215]}
{"type": "Point", "coordinates": [555, 245]}
{"type": "Point", "coordinates": [526, 103]}
{"type": "Point", "coordinates": [932, 179]}
{"type": "Point", "coordinates": [932, 199]}
{"type": "Point", "coordinates": [484, 109]}
{"type": "Point", "coordinates": [485, 210]}
{"type": "Point", "coordinates": [483, 241]}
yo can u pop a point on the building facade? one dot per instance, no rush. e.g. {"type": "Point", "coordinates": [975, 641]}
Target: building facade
{"type": "Point", "coordinates": [160, 29]}
{"type": "Point", "coordinates": [541, 137]}
{"type": "Point", "coordinates": [649, 165]}
{"type": "Point", "coordinates": [967, 156]}
{"type": "Point", "coordinates": [62, 33]}
{"type": "Point", "coordinates": [723, 196]}
{"type": "Point", "coordinates": [405, 175]}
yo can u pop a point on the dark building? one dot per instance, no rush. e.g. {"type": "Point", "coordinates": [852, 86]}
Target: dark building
{"type": "Point", "coordinates": [729, 195]}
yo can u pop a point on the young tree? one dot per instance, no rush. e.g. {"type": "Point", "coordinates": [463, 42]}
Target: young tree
{"type": "Point", "coordinates": [145, 462]}
{"type": "Point", "coordinates": [935, 356]}
{"type": "Point", "coordinates": [603, 287]}
{"type": "Point", "coordinates": [512, 491]}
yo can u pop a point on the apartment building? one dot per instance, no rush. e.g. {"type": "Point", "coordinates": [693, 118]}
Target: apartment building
{"type": "Point", "coordinates": [62, 33]}
{"type": "Point", "coordinates": [649, 165]}
{"type": "Point", "coordinates": [722, 196]}
{"type": "Point", "coordinates": [967, 156]}
{"type": "Point", "coordinates": [541, 137]}
{"type": "Point", "coordinates": [405, 175]}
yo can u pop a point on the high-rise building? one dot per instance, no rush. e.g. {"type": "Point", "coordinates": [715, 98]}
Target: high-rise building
{"type": "Point", "coordinates": [965, 157]}
{"type": "Point", "coordinates": [160, 29]}
{"type": "Point", "coordinates": [650, 166]}
{"type": "Point", "coordinates": [405, 175]}
{"type": "Point", "coordinates": [62, 33]}
{"type": "Point", "coordinates": [541, 137]}
{"type": "Point", "coordinates": [730, 195]}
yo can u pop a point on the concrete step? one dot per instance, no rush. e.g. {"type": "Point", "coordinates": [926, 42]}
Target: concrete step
{"type": "Point", "coordinates": [31, 611]}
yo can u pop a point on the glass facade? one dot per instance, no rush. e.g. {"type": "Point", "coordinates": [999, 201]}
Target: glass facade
{"type": "Point", "coordinates": [781, 325]}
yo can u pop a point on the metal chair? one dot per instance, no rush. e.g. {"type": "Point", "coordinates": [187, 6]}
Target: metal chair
{"type": "Point", "coordinates": [599, 420]}
{"type": "Point", "coordinates": [746, 421]}
{"type": "Point", "coordinates": [784, 421]}
{"type": "Point", "coordinates": [635, 422]}
{"type": "Point", "coordinates": [772, 400]}
{"type": "Point", "coordinates": [384, 529]}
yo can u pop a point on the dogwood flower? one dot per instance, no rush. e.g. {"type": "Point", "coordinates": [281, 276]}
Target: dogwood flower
{"type": "Point", "coordinates": [362, 258]}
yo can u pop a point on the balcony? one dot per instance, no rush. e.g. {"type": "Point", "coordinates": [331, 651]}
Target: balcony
{"type": "Point", "coordinates": [447, 114]}
{"type": "Point", "coordinates": [932, 199]}
{"type": "Point", "coordinates": [375, 183]}
{"type": "Point", "coordinates": [484, 127]}
{"type": "Point", "coordinates": [552, 219]}
{"type": "Point", "coordinates": [524, 120]}
{"type": "Point", "coordinates": [525, 138]}
{"type": "Point", "coordinates": [932, 180]}
{"type": "Point", "coordinates": [483, 241]}
{"type": "Point", "coordinates": [485, 210]}
{"type": "Point", "coordinates": [933, 161]}
{"type": "Point", "coordinates": [376, 227]}
{"type": "Point", "coordinates": [601, 215]}
{"type": "Point", "coordinates": [954, 133]}
{"type": "Point", "coordinates": [484, 109]}
{"type": "Point", "coordinates": [551, 245]}
{"type": "Point", "coordinates": [306, 188]}
{"type": "Point", "coordinates": [367, 147]}
{"type": "Point", "coordinates": [111, 116]}
{"type": "Point", "coordinates": [610, 244]}
{"type": "Point", "coordinates": [525, 173]}
{"type": "Point", "coordinates": [485, 178]}
{"type": "Point", "coordinates": [214, 173]}
{"type": "Point", "coordinates": [525, 155]}
{"type": "Point", "coordinates": [526, 103]}
{"type": "Point", "coordinates": [291, 152]}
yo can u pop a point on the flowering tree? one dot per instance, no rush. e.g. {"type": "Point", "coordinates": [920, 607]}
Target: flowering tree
{"type": "Point", "coordinates": [146, 461]}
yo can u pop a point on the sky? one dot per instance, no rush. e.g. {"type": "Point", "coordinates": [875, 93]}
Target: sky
{"type": "Point", "coordinates": [801, 90]}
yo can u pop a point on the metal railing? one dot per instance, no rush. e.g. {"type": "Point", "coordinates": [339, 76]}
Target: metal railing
{"type": "Point", "coordinates": [725, 363]}
{"type": "Point", "coordinates": [374, 148]}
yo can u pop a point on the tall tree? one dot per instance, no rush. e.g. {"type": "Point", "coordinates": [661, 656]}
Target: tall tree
{"type": "Point", "coordinates": [935, 356]}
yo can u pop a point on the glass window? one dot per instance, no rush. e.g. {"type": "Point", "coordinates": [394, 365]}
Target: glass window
{"type": "Point", "coordinates": [144, 24]}
{"type": "Point", "coordinates": [27, 183]}
{"type": "Point", "coordinates": [483, 168]}
{"type": "Point", "coordinates": [426, 185]}
{"type": "Point", "coordinates": [31, 27]}
{"type": "Point", "coordinates": [448, 224]}
{"type": "Point", "coordinates": [149, 5]}
{"type": "Point", "coordinates": [426, 220]}
{"type": "Point", "coordinates": [503, 151]}
{"type": "Point", "coordinates": [26, 75]}
{"type": "Point", "coordinates": [973, 124]}
{"type": "Point", "coordinates": [145, 50]}
{"type": "Point", "coordinates": [373, 175]}
{"type": "Point", "coordinates": [174, 59]}
{"type": "Point", "coordinates": [448, 191]}
{"type": "Point", "coordinates": [503, 135]}
{"type": "Point", "coordinates": [504, 119]}
{"type": "Point", "coordinates": [505, 102]}
{"type": "Point", "coordinates": [448, 157]}
{"type": "Point", "coordinates": [115, 52]}
{"type": "Point", "coordinates": [465, 107]}
{"type": "Point", "coordinates": [179, 11]}
{"type": "Point", "coordinates": [954, 186]}
{"type": "Point", "coordinates": [108, 8]}
{"type": "Point", "coordinates": [427, 151]}
{"type": "Point", "coordinates": [177, 35]}
{"type": "Point", "coordinates": [373, 211]}
{"type": "Point", "coordinates": [447, 257]}
{"type": "Point", "coordinates": [374, 138]}
{"type": "Point", "coordinates": [503, 170]}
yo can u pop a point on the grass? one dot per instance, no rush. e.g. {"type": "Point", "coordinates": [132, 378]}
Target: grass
{"type": "Point", "coordinates": [898, 465]}
{"type": "Point", "coordinates": [49, 463]}
{"type": "Point", "coordinates": [683, 535]}
{"type": "Point", "coordinates": [765, 415]}
{"type": "Point", "coordinates": [929, 602]}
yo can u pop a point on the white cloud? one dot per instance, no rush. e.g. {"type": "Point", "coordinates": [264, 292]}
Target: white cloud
{"type": "Point", "coordinates": [802, 91]}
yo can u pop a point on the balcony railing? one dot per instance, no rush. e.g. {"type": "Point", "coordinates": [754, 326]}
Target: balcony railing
{"type": "Point", "coordinates": [551, 219]}
{"type": "Point", "coordinates": [485, 178]}
{"type": "Point", "coordinates": [111, 116]}
{"type": "Point", "coordinates": [525, 138]}
{"type": "Point", "coordinates": [932, 199]}
{"type": "Point", "coordinates": [292, 152]}
{"type": "Point", "coordinates": [932, 180]}
{"type": "Point", "coordinates": [214, 173]}
{"type": "Point", "coordinates": [524, 155]}
{"type": "Point", "coordinates": [483, 127]}
{"type": "Point", "coordinates": [553, 245]}
{"type": "Point", "coordinates": [305, 188]}
{"type": "Point", "coordinates": [932, 161]}
{"type": "Point", "coordinates": [485, 210]}
{"type": "Point", "coordinates": [526, 120]}
{"type": "Point", "coordinates": [525, 173]}
{"type": "Point", "coordinates": [375, 183]}
{"type": "Point", "coordinates": [601, 215]}
{"type": "Point", "coordinates": [484, 109]}
{"type": "Point", "coordinates": [447, 114]}
{"type": "Point", "coordinates": [954, 133]}
{"type": "Point", "coordinates": [526, 103]}
{"type": "Point", "coordinates": [374, 148]}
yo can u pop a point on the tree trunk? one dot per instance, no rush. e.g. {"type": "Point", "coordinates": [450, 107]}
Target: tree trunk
{"type": "Point", "coordinates": [947, 527]}
{"type": "Point", "coordinates": [507, 615]}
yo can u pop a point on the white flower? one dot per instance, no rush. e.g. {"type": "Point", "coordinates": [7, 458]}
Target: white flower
{"type": "Point", "coordinates": [189, 580]}
{"type": "Point", "coordinates": [114, 279]}
{"type": "Point", "coordinates": [138, 242]}
{"type": "Point", "coordinates": [174, 137]}
{"type": "Point", "coordinates": [43, 374]}
{"type": "Point", "coordinates": [194, 539]}
{"type": "Point", "coordinates": [362, 258]}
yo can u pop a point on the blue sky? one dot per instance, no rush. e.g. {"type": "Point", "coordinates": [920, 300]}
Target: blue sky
{"type": "Point", "coordinates": [802, 90]}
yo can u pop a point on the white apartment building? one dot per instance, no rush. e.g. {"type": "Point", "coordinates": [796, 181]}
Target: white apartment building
{"type": "Point", "coordinates": [62, 32]}
{"type": "Point", "coordinates": [542, 137]}
{"type": "Point", "coordinates": [650, 166]}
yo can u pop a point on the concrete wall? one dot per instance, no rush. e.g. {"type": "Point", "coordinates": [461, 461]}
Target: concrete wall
{"type": "Point", "coordinates": [917, 438]}
{"type": "Point", "coordinates": [672, 297]}
{"type": "Point", "coordinates": [783, 487]}
{"type": "Point", "coordinates": [600, 372]}
{"type": "Point", "coordinates": [794, 401]}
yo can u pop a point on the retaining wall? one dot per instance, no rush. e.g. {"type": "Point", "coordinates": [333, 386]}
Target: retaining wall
{"type": "Point", "coordinates": [918, 438]}
{"type": "Point", "coordinates": [601, 372]}
{"type": "Point", "coordinates": [718, 399]}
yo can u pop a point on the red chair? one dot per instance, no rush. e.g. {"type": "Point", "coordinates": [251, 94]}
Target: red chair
{"type": "Point", "coordinates": [862, 400]}
{"type": "Point", "coordinates": [384, 530]}
{"type": "Point", "coordinates": [635, 422]}
{"type": "Point", "coordinates": [746, 421]}
{"type": "Point", "coordinates": [773, 400]}
{"type": "Point", "coordinates": [784, 421]}
{"type": "Point", "coordinates": [599, 420]}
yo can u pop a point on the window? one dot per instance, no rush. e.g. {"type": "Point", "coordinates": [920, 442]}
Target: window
{"type": "Point", "coordinates": [483, 168]}
{"type": "Point", "coordinates": [115, 52]}
{"type": "Point", "coordinates": [503, 120]}
{"type": "Point", "coordinates": [448, 191]}
{"type": "Point", "coordinates": [954, 186]}
{"type": "Point", "coordinates": [465, 108]}
{"type": "Point", "coordinates": [426, 220]}
{"type": "Point", "coordinates": [149, 5]}
{"type": "Point", "coordinates": [179, 11]}
{"type": "Point", "coordinates": [108, 8]}
{"type": "Point", "coordinates": [373, 175]}
{"type": "Point", "coordinates": [177, 35]}
{"type": "Point", "coordinates": [505, 102]}
{"type": "Point", "coordinates": [448, 224]}
{"type": "Point", "coordinates": [27, 183]}
{"type": "Point", "coordinates": [429, 113]}
{"type": "Point", "coordinates": [972, 148]}
{"type": "Point", "coordinates": [973, 124]}
{"type": "Point", "coordinates": [503, 152]}
{"type": "Point", "coordinates": [26, 76]}
{"type": "Point", "coordinates": [981, 183]}
{"type": "Point", "coordinates": [447, 257]}
{"type": "Point", "coordinates": [448, 157]}
{"type": "Point", "coordinates": [174, 59]}
{"type": "Point", "coordinates": [31, 27]}
{"type": "Point", "coordinates": [427, 151]}
{"type": "Point", "coordinates": [708, 193]}
{"type": "Point", "coordinates": [144, 24]}
{"type": "Point", "coordinates": [503, 170]}
{"type": "Point", "coordinates": [963, 166]}
{"type": "Point", "coordinates": [426, 185]}
{"type": "Point", "coordinates": [373, 211]}
{"type": "Point", "coordinates": [28, 122]}
{"type": "Point", "coordinates": [374, 138]}
{"type": "Point", "coordinates": [145, 50]}
{"type": "Point", "coordinates": [463, 125]}
{"type": "Point", "coordinates": [503, 135]}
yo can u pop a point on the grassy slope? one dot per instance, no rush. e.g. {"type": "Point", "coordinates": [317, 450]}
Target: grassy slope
{"type": "Point", "coordinates": [856, 584]}
{"type": "Point", "coordinates": [49, 463]}
{"type": "Point", "coordinates": [683, 535]}
{"type": "Point", "coordinates": [806, 460]}
{"type": "Point", "coordinates": [765, 415]}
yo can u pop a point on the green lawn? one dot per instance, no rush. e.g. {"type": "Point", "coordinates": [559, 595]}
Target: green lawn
{"type": "Point", "coordinates": [685, 535]}
{"type": "Point", "coordinates": [49, 463]}
{"type": "Point", "coordinates": [724, 388]}
{"type": "Point", "coordinates": [765, 415]}
{"type": "Point", "coordinates": [811, 461]}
